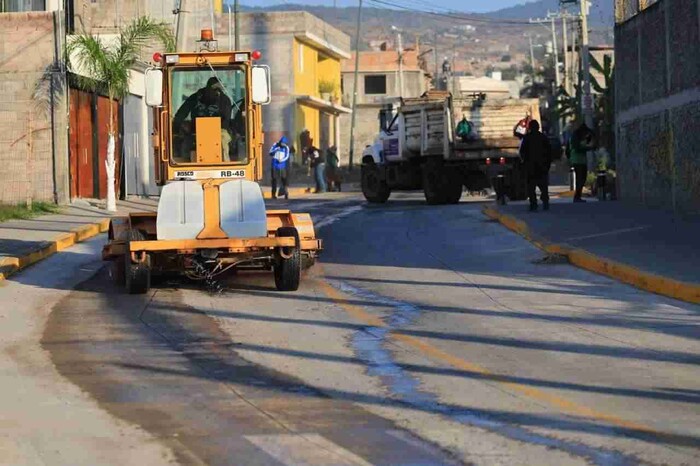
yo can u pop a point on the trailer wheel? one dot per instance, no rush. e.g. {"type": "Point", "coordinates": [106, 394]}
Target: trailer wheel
{"type": "Point", "coordinates": [287, 267]}
{"type": "Point", "coordinates": [374, 188]}
{"type": "Point", "coordinates": [137, 277]}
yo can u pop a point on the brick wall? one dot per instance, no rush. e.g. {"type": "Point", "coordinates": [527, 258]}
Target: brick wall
{"type": "Point", "coordinates": [658, 105]}
{"type": "Point", "coordinates": [26, 135]}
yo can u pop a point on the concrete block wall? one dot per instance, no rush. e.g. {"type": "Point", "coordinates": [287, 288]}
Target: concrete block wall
{"type": "Point", "coordinates": [27, 140]}
{"type": "Point", "coordinates": [658, 106]}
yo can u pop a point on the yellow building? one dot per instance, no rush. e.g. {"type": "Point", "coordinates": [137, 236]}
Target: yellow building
{"type": "Point", "coordinates": [304, 55]}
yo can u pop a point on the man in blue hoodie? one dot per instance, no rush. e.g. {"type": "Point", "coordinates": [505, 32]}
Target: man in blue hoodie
{"type": "Point", "coordinates": [280, 167]}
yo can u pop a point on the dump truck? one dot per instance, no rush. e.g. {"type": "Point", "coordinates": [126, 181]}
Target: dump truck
{"type": "Point", "coordinates": [208, 148]}
{"type": "Point", "coordinates": [418, 148]}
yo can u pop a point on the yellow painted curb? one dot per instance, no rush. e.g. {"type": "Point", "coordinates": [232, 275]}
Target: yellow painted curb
{"type": "Point", "coordinates": [292, 192]}
{"type": "Point", "coordinates": [684, 291]}
{"type": "Point", "coordinates": [12, 265]}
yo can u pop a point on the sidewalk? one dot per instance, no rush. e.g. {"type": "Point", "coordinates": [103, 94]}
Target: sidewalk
{"type": "Point", "coordinates": [649, 249]}
{"type": "Point", "coordinates": [25, 242]}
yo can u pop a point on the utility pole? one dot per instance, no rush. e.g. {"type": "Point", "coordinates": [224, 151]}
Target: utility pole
{"type": "Point", "coordinates": [586, 64]}
{"type": "Point", "coordinates": [237, 22]}
{"type": "Point", "coordinates": [354, 85]}
{"type": "Point", "coordinates": [532, 59]}
{"type": "Point", "coordinates": [567, 76]}
{"type": "Point", "coordinates": [230, 29]}
{"type": "Point", "coordinates": [435, 56]}
{"type": "Point", "coordinates": [399, 43]}
{"type": "Point", "coordinates": [454, 69]}
{"type": "Point", "coordinates": [557, 78]}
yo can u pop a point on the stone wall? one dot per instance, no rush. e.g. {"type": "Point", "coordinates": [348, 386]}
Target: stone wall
{"type": "Point", "coordinates": [28, 143]}
{"type": "Point", "coordinates": [658, 105]}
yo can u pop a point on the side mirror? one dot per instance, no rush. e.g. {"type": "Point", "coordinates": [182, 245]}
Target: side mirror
{"type": "Point", "coordinates": [261, 84]}
{"type": "Point", "coordinates": [154, 87]}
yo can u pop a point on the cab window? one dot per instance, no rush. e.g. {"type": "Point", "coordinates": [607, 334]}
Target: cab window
{"type": "Point", "coordinates": [210, 105]}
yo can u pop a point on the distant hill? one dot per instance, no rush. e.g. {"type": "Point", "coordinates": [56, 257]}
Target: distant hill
{"type": "Point", "coordinates": [602, 12]}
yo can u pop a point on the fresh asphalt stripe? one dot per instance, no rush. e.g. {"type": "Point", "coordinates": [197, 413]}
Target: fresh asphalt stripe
{"type": "Point", "coordinates": [381, 364]}
{"type": "Point", "coordinates": [330, 219]}
{"type": "Point", "coordinates": [305, 449]}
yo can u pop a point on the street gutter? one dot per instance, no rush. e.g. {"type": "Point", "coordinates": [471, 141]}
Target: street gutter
{"type": "Point", "coordinates": [665, 286]}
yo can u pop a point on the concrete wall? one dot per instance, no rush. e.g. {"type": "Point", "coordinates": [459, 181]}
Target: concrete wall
{"type": "Point", "coordinates": [28, 144]}
{"type": "Point", "coordinates": [414, 86]}
{"type": "Point", "coordinates": [366, 131]}
{"type": "Point", "coordinates": [658, 105]}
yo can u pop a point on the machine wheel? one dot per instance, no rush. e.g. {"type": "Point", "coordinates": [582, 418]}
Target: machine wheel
{"type": "Point", "coordinates": [116, 270]}
{"type": "Point", "coordinates": [287, 266]}
{"type": "Point", "coordinates": [374, 188]}
{"type": "Point", "coordinates": [434, 184]}
{"type": "Point", "coordinates": [137, 277]}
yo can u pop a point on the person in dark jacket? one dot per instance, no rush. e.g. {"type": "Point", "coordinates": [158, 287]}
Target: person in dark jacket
{"type": "Point", "coordinates": [536, 153]}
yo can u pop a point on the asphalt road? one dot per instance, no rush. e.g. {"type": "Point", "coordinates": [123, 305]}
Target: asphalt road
{"type": "Point", "coordinates": [425, 335]}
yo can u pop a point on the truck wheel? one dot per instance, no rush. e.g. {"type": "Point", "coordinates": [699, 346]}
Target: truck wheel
{"type": "Point", "coordinates": [453, 188]}
{"type": "Point", "coordinates": [137, 277]}
{"type": "Point", "coordinates": [374, 188]}
{"type": "Point", "coordinates": [518, 184]}
{"type": "Point", "coordinates": [287, 267]}
{"type": "Point", "coordinates": [434, 185]}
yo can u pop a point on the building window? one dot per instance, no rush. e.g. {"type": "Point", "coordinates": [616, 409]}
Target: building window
{"type": "Point", "coordinates": [375, 84]}
{"type": "Point", "coordinates": [301, 58]}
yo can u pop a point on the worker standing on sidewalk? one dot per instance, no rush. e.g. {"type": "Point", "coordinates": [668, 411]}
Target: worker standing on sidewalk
{"type": "Point", "coordinates": [581, 142]}
{"type": "Point", "coordinates": [280, 167]}
{"type": "Point", "coordinates": [536, 152]}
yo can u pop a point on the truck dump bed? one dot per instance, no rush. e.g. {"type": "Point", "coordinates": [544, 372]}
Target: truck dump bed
{"type": "Point", "coordinates": [493, 122]}
{"type": "Point", "coordinates": [431, 122]}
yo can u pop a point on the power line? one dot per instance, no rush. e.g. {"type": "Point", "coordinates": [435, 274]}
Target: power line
{"type": "Point", "coordinates": [450, 14]}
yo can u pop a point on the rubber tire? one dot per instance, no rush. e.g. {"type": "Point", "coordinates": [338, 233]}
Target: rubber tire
{"type": "Point", "coordinates": [117, 271]}
{"type": "Point", "coordinates": [288, 271]}
{"type": "Point", "coordinates": [453, 188]}
{"type": "Point", "coordinates": [517, 191]}
{"type": "Point", "coordinates": [137, 277]}
{"type": "Point", "coordinates": [434, 185]}
{"type": "Point", "coordinates": [374, 189]}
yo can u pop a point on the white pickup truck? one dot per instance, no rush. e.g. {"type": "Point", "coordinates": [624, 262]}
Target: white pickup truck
{"type": "Point", "coordinates": [418, 148]}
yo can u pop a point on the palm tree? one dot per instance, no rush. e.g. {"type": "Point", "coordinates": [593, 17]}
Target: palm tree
{"type": "Point", "coordinates": [107, 65]}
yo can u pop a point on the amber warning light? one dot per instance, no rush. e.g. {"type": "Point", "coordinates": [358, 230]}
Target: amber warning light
{"type": "Point", "coordinates": [207, 35]}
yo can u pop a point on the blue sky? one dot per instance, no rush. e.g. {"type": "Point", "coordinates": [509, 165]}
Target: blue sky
{"type": "Point", "coordinates": [477, 6]}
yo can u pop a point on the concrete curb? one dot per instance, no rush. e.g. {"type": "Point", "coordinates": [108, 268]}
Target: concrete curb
{"type": "Point", "coordinates": [293, 192]}
{"type": "Point", "coordinates": [684, 291]}
{"type": "Point", "coordinates": [12, 265]}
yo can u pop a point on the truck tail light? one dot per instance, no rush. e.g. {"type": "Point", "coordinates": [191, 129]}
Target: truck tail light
{"type": "Point", "coordinates": [502, 161]}
{"type": "Point", "coordinates": [488, 161]}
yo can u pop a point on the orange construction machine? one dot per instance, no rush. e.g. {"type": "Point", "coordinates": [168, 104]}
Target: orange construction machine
{"type": "Point", "coordinates": [208, 145]}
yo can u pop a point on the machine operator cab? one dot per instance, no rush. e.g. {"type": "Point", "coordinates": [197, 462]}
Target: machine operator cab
{"type": "Point", "coordinates": [209, 121]}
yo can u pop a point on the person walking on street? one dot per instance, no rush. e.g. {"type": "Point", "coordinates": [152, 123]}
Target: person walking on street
{"type": "Point", "coordinates": [318, 165]}
{"type": "Point", "coordinates": [536, 153]}
{"type": "Point", "coordinates": [332, 175]}
{"type": "Point", "coordinates": [280, 167]}
{"type": "Point", "coordinates": [579, 145]}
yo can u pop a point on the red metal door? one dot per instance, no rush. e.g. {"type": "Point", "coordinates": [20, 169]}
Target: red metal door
{"type": "Point", "coordinates": [81, 139]}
